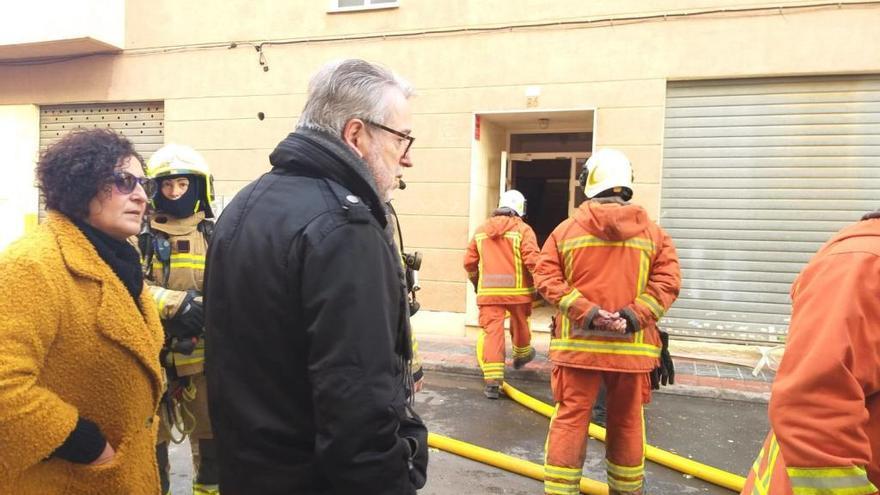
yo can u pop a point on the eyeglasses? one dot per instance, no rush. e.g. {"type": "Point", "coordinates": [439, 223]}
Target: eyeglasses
{"type": "Point", "coordinates": [125, 183]}
{"type": "Point", "coordinates": [397, 133]}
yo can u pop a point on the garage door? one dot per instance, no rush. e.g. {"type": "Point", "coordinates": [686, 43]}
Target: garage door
{"type": "Point", "coordinates": [141, 122]}
{"type": "Point", "coordinates": [757, 174]}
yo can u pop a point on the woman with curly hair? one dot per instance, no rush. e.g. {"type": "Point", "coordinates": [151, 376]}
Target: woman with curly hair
{"type": "Point", "coordinates": [79, 336]}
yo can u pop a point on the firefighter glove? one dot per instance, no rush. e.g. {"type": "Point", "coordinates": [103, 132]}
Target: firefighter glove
{"type": "Point", "coordinates": [665, 373]}
{"type": "Point", "coordinates": [189, 320]}
{"type": "Point", "coordinates": [632, 319]}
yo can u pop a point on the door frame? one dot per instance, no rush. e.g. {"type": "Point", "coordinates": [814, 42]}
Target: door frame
{"type": "Point", "coordinates": [573, 172]}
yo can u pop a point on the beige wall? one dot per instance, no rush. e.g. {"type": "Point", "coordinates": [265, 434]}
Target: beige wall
{"type": "Point", "coordinates": [212, 95]}
{"type": "Point", "coordinates": [484, 193]}
{"type": "Point", "coordinates": [41, 21]}
{"type": "Point", "coordinates": [19, 145]}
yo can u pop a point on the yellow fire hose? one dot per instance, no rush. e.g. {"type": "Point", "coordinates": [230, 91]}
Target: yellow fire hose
{"type": "Point", "coordinates": [707, 473]}
{"type": "Point", "coordinates": [506, 462]}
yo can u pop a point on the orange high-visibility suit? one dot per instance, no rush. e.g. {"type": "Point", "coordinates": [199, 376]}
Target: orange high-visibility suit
{"type": "Point", "coordinates": [500, 260]}
{"type": "Point", "coordinates": [607, 256]}
{"type": "Point", "coordinates": [825, 402]}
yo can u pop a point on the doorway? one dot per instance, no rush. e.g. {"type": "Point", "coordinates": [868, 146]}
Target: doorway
{"type": "Point", "coordinates": [538, 152]}
{"type": "Point", "coordinates": [545, 185]}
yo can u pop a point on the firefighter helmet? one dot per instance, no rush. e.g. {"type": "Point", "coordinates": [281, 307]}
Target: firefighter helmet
{"type": "Point", "coordinates": [177, 159]}
{"type": "Point", "coordinates": [607, 169]}
{"type": "Point", "coordinates": [514, 200]}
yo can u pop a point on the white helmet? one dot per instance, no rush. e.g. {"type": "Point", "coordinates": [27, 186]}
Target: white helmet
{"type": "Point", "coordinates": [514, 200]}
{"type": "Point", "coordinates": [607, 169]}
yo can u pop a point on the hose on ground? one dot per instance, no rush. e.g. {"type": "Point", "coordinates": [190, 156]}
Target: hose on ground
{"type": "Point", "coordinates": [506, 462]}
{"type": "Point", "coordinates": [687, 466]}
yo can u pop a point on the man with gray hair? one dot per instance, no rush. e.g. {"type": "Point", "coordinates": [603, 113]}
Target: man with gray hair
{"type": "Point", "coordinates": [309, 358]}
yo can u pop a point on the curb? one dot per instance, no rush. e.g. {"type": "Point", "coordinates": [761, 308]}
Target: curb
{"type": "Point", "coordinates": [690, 388]}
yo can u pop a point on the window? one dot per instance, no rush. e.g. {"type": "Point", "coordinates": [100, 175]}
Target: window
{"type": "Point", "coordinates": [352, 5]}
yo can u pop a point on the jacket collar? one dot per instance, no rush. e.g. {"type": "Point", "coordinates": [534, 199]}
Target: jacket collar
{"type": "Point", "coordinates": [176, 226]}
{"type": "Point", "coordinates": [116, 318]}
{"type": "Point", "coordinates": [319, 154]}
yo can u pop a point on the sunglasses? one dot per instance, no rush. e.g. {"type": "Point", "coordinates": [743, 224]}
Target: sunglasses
{"type": "Point", "coordinates": [126, 183]}
{"type": "Point", "coordinates": [409, 139]}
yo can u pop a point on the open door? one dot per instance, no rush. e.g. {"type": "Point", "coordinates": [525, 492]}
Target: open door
{"type": "Point", "coordinates": [546, 185]}
{"type": "Point", "coordinates": [504, 175]}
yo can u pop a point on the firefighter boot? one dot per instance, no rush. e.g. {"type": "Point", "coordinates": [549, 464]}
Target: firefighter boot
{"type": "Point", "coordinates": [519, 362]}
{"type": "Point", "coordinates": [201, 489]}
{"type": "Point", "coordinates": [492, 390]}
{"type": "Point", "coordinates": [639, 491]}
{"type": "Point", "coordinates": [208, 477]}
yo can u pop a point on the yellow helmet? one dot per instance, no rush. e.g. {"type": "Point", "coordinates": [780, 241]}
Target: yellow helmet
{"type": "Point", "coordinates": [177, 159]}
{"type": "Point", "coordinates": [607, 169]}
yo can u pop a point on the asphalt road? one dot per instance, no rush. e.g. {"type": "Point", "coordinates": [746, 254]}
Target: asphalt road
{"type": "Point", "coordinates": [724, 434]}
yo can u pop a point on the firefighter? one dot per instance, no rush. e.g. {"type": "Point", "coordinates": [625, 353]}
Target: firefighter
{"type": "Point", "coordinates": [612, 273]}
{"type": "Point", "coordinates": [411, 263]}
{"type": "Point", "coordinates": [825, 404]}
{"type": "Point", "coordinates": [500, 260]}
{"type": "Point", "coordinates": [174, 247]}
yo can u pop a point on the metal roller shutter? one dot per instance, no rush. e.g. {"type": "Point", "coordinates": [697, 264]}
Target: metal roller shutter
{"type": "Point", "coordinates": [757, 174]}
{"type": "Point", "coordinates": [141, 122]}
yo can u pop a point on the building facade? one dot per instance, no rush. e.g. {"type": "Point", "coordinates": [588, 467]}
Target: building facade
{"type": "Point", "coordinates": [753, 127]}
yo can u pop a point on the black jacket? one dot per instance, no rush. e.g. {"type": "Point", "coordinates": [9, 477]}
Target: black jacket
{"type": "Point", "coordinates": [307, 351]}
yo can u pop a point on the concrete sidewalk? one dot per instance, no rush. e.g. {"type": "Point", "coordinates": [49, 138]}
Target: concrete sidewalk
{"type": "Point", "coordinates": [455, 354]}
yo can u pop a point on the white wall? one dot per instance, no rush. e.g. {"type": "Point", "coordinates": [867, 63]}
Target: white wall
{"type": "Point", "coordinates": [19, 146]}
{"type": "Point", "coordinates": [37, 21]}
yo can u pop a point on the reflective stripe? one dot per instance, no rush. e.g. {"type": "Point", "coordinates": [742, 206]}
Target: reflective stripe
{"type": "Point", "coordinates": [639, 243]}
{"type": "Point", "coordinates": [623, 486]}
{"type": "Point", "coordinates": [195, 261]}
{"type": "Point", "coordinates": [603, 347]}
{"type": "Point", "coordinates": [160, 295]}
{"type": "Point", "coordinates": [759, 487]}
{"type": "Point", "coordinates": [560, 488]}
{"type": "Point", "coordinates": [638, 339]}
{"type": "Point", "coordinates": [521, 351]}
{"type": "Point", "coordinates": [197, 356]}
{"type": "Point", "coordinates": [506, 292]}
{"type": "Point", "coordinates": [773, 453]}
{"type": "Point", "coordinates": [628, 479]}
{"type": "Point", "coordinates": [652, 304]}
{"type": "Point", "coordinates": [517, 256]}
{"type": "Point", "coordinates": [627, 471]}
{"type": "Point", "coordinates": [562, 480]}
{"type": "Point", "coordinates": [567, 300]}
{"type": "Point", "coordinates": [562, 473]}
{"type": "Point", "coordinates": [519, 288]}
{"type": "Point", "coordinates": [491, 371]}
{"type": "Point", "coordinates": [830, 481]}
{"type": "Point", "coordinates": [646, 249]}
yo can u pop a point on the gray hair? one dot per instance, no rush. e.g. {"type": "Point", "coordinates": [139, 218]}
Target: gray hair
{"type": "Point", "coordinates": [349, 89]}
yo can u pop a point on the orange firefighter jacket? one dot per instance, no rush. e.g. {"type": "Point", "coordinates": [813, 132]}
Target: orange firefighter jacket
{"type": "Point", "coordinates": [825, 402]}
{"type": "Point", "coordinates": [500, 260]}
{"type": "Point", "coordinates": [608, 256]}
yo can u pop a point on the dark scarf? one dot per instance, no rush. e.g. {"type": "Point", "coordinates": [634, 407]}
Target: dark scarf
{"type": "Point", "coordinates": [318, 154]}
{"type": "Point", "coordinates": [121, 256]}
{"type": "Point", "coordinates": [183, 206]}
{"type": "Point", "coordinates": [321, 155]}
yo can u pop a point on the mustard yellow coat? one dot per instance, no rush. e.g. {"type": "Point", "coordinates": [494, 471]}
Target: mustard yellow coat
{"type": "Point", "coordinates": [73, 343]}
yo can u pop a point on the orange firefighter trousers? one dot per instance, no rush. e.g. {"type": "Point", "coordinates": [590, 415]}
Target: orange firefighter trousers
{"type": "Point", "coordinates": [574, 390]}
{"type": "Point", "coordinates": [490, 348]}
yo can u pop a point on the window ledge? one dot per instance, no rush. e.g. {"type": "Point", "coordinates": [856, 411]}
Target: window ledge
{"type": "Point", "coordinates": [361, 8]}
